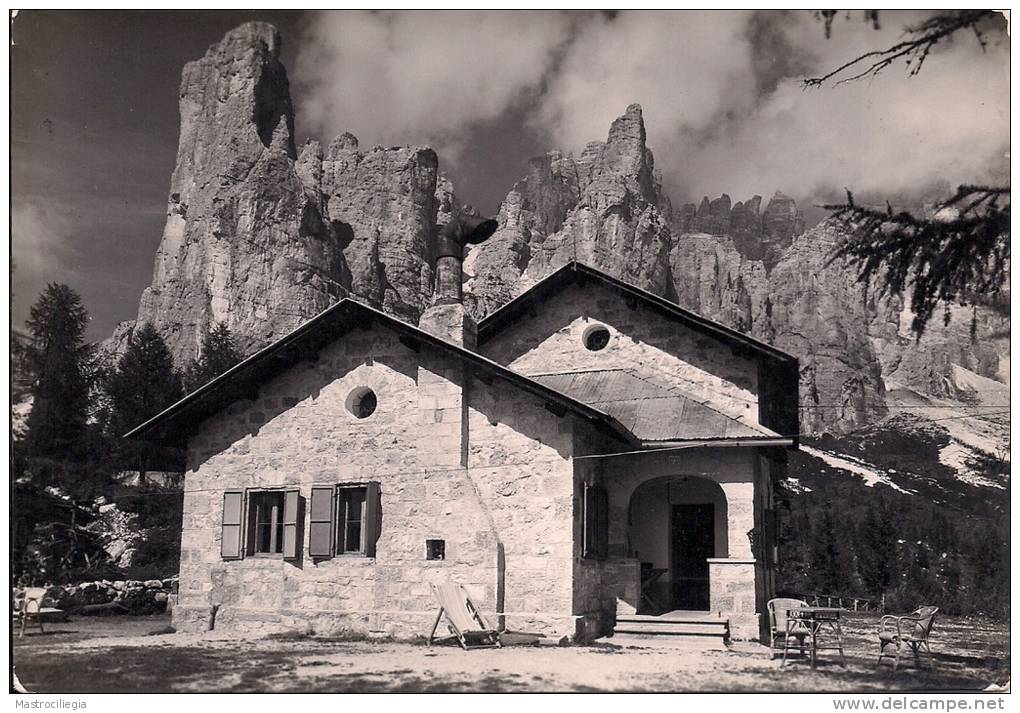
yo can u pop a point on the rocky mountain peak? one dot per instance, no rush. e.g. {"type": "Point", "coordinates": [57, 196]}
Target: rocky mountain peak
{"type": "Point", "coordinates": [260, 237]}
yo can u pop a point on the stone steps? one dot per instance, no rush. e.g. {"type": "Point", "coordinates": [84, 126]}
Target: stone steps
{"type": "Point", "coordinates": [683, 627]}
{"type": "Point", "coordinates": [680, 643]}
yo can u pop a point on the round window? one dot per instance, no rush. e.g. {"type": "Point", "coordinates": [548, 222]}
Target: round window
{"type": "Point", "coordinates": [596, 338]}
{"type": "Point", "coordinates": [362, 402]}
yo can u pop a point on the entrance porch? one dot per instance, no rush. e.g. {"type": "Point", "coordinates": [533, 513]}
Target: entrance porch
{"type": "Point", "coordinates": [684, 529]}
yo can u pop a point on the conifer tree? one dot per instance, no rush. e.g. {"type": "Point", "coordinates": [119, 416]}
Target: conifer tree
{"type": "Point", "coordinates": [218, 354]}
{"type": "Point", "coordinates": [59, 362]}
{"type": "Point", "coordinates": [144, 383]}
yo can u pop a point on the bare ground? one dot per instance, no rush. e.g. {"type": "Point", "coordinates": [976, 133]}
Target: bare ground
{"type": "Point", "coordinates": [121, 654]}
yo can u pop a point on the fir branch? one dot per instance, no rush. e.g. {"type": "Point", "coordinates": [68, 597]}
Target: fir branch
{"type": "Point", "coordinates": [919, 42]}
{"type": "Point", "coordinates": [961, 254]}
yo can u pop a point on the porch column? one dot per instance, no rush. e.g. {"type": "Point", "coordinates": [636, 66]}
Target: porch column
{"type": "Point", "coordinates": [740, 517]}
{"type": "Point", "coordinates": [731, 583]}
{"type": "Point", "coordinates": [732, 578]}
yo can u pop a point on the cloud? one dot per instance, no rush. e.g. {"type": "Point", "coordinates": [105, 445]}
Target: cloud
{"type": "Point", "coordinates": [39, 242]}
{"type": "Point", "coordinates": [721, 91]}
{"type": "Point", "coordinates": [684, 68]}
{"type": "Point", "coordinates": [893, 135]}
{"type": "Point", "coordinates": [420, 77]}
{"type": "Point", "coordinates": [726, 112]}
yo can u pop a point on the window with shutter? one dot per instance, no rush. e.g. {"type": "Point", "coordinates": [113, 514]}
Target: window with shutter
{"type": "Point", "coordinates": [230, 542]}
{"type": "Point", "coordinates": [320, 525]}
{"type": "Point", "coordinates": [265, 522]}
{"type": "Point", "coordinates": [601, 522]}
{"type": "Point", "coordinates": [588, 521]}
{"type": "Point", "coordinates": [595, 522]}
{"type": "Point", "coordinates": [292, 521]}
{"type": "Point", "coordinates": [772, 536]}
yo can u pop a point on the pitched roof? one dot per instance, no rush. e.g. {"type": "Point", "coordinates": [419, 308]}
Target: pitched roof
{"type": "Point", "coordinates": [171, 427]}
{"type": "Point", "coordinates": [778, 371]}
{"type": "Point", "coordinates": [579, 273]}
{"type": "Point", "coordinates": [652, 412]}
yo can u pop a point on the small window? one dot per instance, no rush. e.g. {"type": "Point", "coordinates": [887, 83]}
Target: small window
{"type": "Point", "coordinates": [267, 520]}
{"type": "Point", "coordinates": [271, 526]}
{"type": "Point", "coordinates": [350, 535]}
{"type": "Point", "coordinates": [595, 522]}
{"type": "Point", "coordinates": [435, 549]}
{"type": "Point", "coordinates": [362, 402]}
{"type": "Point", "coordinates": [596, 338]}
{"type": "Point", "coordinates": [344, 520]}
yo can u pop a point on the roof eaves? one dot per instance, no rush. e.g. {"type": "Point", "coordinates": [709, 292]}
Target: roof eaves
{"type": "Point", "coordinates": [498, 370]}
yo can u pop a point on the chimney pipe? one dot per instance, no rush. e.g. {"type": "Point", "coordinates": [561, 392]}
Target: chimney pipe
{"type": "Point", "coordinates": [465, 228]}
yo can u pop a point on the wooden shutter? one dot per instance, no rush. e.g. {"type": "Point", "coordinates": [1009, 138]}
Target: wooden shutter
{"type": "Point", "coordinates": [601, 522]}
{"type": "Point", "coordinates": [249, 524]}
{"type": "Point", "coordinates": [772, 536]}
{"type": "Point", "coordinates": [320, 525]}
{"type": "Point", "coordinates": [292, 521]}
{"type": "Point", "coordinates": [230, 540]}
{"type": "Point", "coordinates": [588, 521]}
{"type": "Point", "coordinates": [372, 522]}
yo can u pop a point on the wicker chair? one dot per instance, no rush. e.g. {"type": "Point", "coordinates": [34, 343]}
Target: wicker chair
{"type": "Point", "coordinates": [28, 604]}
{"type": "Point", "coordinates": [903, 632]}
{"type": "Point", "coordinates": [777, 626]}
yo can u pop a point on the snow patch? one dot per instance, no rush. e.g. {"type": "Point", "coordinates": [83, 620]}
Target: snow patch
{"type": "Point", "coordinates": [987, 390]}
{"type": "Point", "coordinates": [871, 475]}
{"type": "Point", "coordinates": [956, 456]}
{"type": "Point", "coordinates": [794, 486]}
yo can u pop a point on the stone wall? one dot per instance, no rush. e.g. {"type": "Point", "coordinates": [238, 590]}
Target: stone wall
{"type": "Point", "coordinates": [672, 354]}
{"type": "Point", "coordinates": [484, 467]}
{"type": "Point", "coordinates": [131, 596]}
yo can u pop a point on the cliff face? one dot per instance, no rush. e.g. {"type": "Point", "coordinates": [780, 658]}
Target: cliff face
{"type": "Point", "coordinates": [604, 208]}
{"type": "Point", "coordinates": [261, 236]}
{"type": "Point", "coordinates": [756, 270]}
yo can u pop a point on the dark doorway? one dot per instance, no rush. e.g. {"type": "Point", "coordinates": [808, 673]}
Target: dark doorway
{"type": "Point", "coordinates": [693, 533]}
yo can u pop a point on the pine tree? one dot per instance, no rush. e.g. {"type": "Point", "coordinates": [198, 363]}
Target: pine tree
{"type": "Point", "coordinates": [876, 549]}
{"type": "Point", "coordinates": [218, 354]}
{"type": "Point", "coordinates": [144, 383]}
{"type": "Point", "coordinates": [59, 361]}
{"type": "Point", "coordinates": [831, 560]}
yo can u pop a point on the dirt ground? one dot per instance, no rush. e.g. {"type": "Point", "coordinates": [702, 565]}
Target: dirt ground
{"type": "Point", "coordinates": [130, 654]}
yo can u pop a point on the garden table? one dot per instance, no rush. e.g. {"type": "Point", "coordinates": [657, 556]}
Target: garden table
{"type": "Point", "coordinates": [820, 622]}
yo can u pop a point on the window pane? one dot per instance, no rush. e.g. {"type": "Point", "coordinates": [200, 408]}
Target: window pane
{"type": "Point", "coordinates": [356, 499]}
{"type": "Point", "coordinates": [278, 539]}
{"type": "Point", "coordinates": [353, 541]}
{"type": "Point", "coordinates": [268, 522]}
{"type": "Point", "coordinates": [351, 514]}
{"type": "Point", "coordinates": [262, 538]}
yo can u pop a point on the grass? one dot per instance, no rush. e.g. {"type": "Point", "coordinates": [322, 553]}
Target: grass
{"type": "Point", "coordinates": [92, 656]}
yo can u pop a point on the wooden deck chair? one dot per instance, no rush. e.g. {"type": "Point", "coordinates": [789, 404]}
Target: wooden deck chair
{"type": "Point", "coordinates": [463, 619]}
{"type": "Point", "coordinates": [911, 631]}
{"type": "Point", "coordinates": [777, 626]}
{"type": "Point", "coordinates": [30, 606]}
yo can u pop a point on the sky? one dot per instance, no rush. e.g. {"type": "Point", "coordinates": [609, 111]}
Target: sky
{"type": "Point", "coordinates": [94, 119]}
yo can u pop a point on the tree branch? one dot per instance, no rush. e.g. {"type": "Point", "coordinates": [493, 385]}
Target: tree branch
{"type": "Point", "coordinates": [961, 254]}
{"type": "Point", "coordinates": [919, 43]}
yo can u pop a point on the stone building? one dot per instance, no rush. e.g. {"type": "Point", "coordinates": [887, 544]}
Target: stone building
{"type": "Point", "coordinates": [586, 455]}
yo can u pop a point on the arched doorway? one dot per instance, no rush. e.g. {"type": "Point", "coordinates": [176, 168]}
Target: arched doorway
{"type": "Point", "coordinates": [675, 525]}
